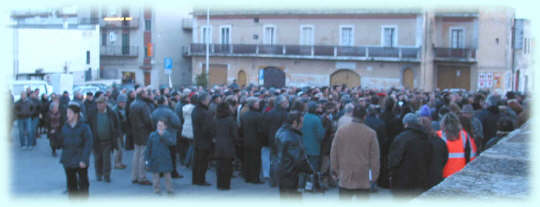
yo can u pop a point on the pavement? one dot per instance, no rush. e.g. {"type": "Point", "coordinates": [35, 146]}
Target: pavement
{"type": "Point", "coordinates": [38, 174]}
{"type": "Point", "coordinates": [501, 172]}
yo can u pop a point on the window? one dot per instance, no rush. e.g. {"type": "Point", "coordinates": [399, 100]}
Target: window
{"type": "Point", "coordinates": [389, 36]}
{"type": "Point", "coordinates": [125, 43]}
{"type": "Point", "coordinates": [147, 24]}
{"type": "Point", "coordinates": [103, 38]}
{"type": "Point", "coordinates": [87, 57]}
{"type": "Point", "coordinates": [225, 35]}
{"type": "Point", "coordinates": [346, 36]}
{"type": "Point", "coordinates": [269, 37]}
{"type": "Point", "coordinates": [306, 35]}
{"type": "Point", "coordinates": [457, 39]}
{"type": "Point", "coordinates": [206, 34]}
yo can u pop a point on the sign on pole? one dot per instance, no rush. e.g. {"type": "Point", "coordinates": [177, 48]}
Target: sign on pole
{"type": "Point", "coordinates": [167, 65]}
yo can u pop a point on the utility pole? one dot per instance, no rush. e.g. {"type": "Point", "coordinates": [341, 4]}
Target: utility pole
{"type": "Point", "coordinates": [207, 41]}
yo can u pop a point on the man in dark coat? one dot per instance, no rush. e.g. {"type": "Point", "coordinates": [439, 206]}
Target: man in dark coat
{"type": "Point", "coordinates": [90, 106]}
{"type": "Point", "coordinates": [129, 133]}
{"type": "Point", "coordinates": [251, 124]}
{"type": "Point", "coordinates": [203, 132]}
{"type": "Point", "coordinates": [291, 158]}
{"type": "Point", "coordinates": [489, 118]}
{"type": "Point", "coordinates": [120, 110]}
{"type": "Point", "coordinates": [105, 128]}
{"type": "Point", "coordinates": [163, 112]}
{"type": "Point", "coordinates": [380, 128]}
{"type": "Point", "coordinates": [409, 159]}
{"type": "Point", "coordinates": [140, 119]}
{"type": "Point", "coordinates": [273, 121]}
{"type": "Point", "coordinates": [36, 105]}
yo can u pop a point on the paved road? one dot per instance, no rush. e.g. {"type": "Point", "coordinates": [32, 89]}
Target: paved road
{"type": "Point", "coordinates": [37, 173]}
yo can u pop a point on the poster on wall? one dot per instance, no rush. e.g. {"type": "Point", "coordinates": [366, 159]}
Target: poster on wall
{"type": "Point", "coordinates": [485, 80]}
{"type": "Point", "coordinates": [497, 80]}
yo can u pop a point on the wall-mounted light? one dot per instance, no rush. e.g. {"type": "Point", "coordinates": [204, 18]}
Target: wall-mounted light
{"type": "Point", "coordinates": [111, 19]}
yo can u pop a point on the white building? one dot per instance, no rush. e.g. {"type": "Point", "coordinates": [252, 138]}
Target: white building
{"type": "Point", "coordinates": [52, 42]}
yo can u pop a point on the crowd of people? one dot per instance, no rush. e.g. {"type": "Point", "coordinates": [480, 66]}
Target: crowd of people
{"type": "Point", "coordinates": [295, 139]}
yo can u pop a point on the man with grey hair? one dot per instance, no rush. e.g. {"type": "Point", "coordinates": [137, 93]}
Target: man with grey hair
{"type": "Point", "coordinates": [252, 127]}
{"type": "Point", "coordinates": [489, 116]}
{"type": "Point", "coordinates": [347, 117]}
{"type": "Point", "coordinates": [409, 159]}
{"type": "Point", "coordinates": [273, 121]}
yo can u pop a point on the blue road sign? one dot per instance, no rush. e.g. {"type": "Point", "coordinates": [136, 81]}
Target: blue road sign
{"type": "Point", "coordinates": [167, 64]}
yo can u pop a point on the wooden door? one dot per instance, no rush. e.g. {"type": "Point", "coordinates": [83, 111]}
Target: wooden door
{"type": "Point", "coordinates": [147, 78]}
{"type": "Point", "coordinates": [241, 79]}
{"type": "Point", "coordinates": [217, 75]}
{"type": "Point", "coordinates": [347, 77]}
{"type": "Point", "coordinates": [453, 77]}
{"type": "Point", "coordinates": [408, 78]}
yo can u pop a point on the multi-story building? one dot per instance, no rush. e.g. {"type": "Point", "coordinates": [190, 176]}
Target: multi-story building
{"type": "Point", "coordinates": [50, 41]}
{"type": "Point", "coordinates": [135, 42]}
{"type": "Point", "coordinates": [375, 48]}
{"type": "Point", "coordinates": [523, 56]}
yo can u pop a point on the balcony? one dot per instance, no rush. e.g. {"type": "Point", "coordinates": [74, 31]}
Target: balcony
{"type": "Point", "coordinates": [119, 51]}
{"type": "Point", "coordinates": [322, 52]}
{"type": "Point", "coordinates": [466, 55]}
{"type": "Point", "coordinates": [119, 23]}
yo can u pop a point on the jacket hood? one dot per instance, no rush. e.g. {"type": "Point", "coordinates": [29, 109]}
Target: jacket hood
{"type": "Point", "coordinates": [416, 128]}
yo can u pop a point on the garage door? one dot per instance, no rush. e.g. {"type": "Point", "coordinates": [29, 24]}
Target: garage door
{"type": "Point", "coordinates": [274, 77]}
{"type": "Point", "coordinates": [217, 74]}
{"type": "Point", "coordinates": [453, 77]}
{"type": "Point", "coordinates": [347, 77]}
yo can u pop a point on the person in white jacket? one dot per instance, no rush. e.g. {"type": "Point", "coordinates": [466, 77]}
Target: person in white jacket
{"type": "Point", "coordinates": [187, 128]}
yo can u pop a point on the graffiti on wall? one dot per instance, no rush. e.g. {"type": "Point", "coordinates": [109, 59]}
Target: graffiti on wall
{"type": "Point", "coordinates": [377, 83]}
{"type": "Point", "coordinates": [301, 80]}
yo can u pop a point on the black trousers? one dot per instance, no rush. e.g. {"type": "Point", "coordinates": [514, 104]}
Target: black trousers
{"type": "Point", "coordinates": [102, 158]}
{"type": "Point", "coordinates": [289, 194]}
{"type": "Point", "coordinates": [347, 194]}
{"type": "Point", "coordinates": [252, 164]}
{"type": "Point", "coordinates": [172, 150]}
{"type": "Point", "coordinates": [200, 166]}
{"type": "Point", "coordinates": [224, 173]}
{"type": "Point", "coordinates": [77, 182]}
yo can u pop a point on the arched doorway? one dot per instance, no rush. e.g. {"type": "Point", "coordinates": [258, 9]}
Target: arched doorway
{"type": "Point", "coordinates": [408, 78]}
{"type": "Point", "coordinates": [241, 79]}
{"type": "Point", "coordinates": [345, 76]}
{"type": "Point", "coordinates": [273, 77]}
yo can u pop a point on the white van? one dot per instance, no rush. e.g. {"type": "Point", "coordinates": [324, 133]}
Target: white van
{"type": "Point", "coordinates": [18, 86]}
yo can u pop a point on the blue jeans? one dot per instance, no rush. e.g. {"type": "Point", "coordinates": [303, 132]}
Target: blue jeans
{"type": "Point", "coordinates": [25, 131]}
{"type": "Point", "coordinates": [35, 123]}
{"type": "Point", "coordinates": [189, 154]}
{"type": "Point", "coordinates": [265, 161]}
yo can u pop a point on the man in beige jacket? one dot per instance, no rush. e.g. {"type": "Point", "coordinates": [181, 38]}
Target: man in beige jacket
{"type": "Point", "coordinates": [355, 157]}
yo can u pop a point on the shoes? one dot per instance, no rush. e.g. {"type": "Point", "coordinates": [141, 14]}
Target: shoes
{"type": "Point", "coordinates": [170, 193]}
{"type": "Point", "coordinates": [220, 188]}
{"type": "Point", "coordinates": [54, 154]}
{"type": "Point", "coordinates": [99, 178]}
{"type": "Point", "coordinates": [134, 182]}
{"type": "Point", "coordinates": [108, 179]}
{"type": "Point", "coordinates": [203, 184]}
{"type": "Point", "coordinates": [120, 166]}
{"type": "Point", "coordinates": [145, 182]}
{"type": "Point", "coordinates": [176, 175]}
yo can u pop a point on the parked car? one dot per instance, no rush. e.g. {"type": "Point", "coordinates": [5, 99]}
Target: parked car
{"type": "Point", "coordinates": [19, 86]}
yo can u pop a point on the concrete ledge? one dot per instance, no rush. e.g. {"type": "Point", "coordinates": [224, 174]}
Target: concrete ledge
{"type": "Point", "coordinates": [502, 171]}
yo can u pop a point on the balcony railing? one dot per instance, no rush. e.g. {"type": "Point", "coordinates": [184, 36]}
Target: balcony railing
{"type": "Point", "coordinates": [455, 54]}
{"type": "Point", "coordinates": [308, 52]}
{"type": "Point", "coordinates": [187, 23]}
{"type": "Point", "coordinates": [131, 51]}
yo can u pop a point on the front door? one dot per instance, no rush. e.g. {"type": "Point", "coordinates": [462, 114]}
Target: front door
{"type": "Point", "coordinates": [408, 78]}
{"type": "Point", "coordinates": [241, 78]}
{"type": "Point", "coordinates": [345, 77]}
